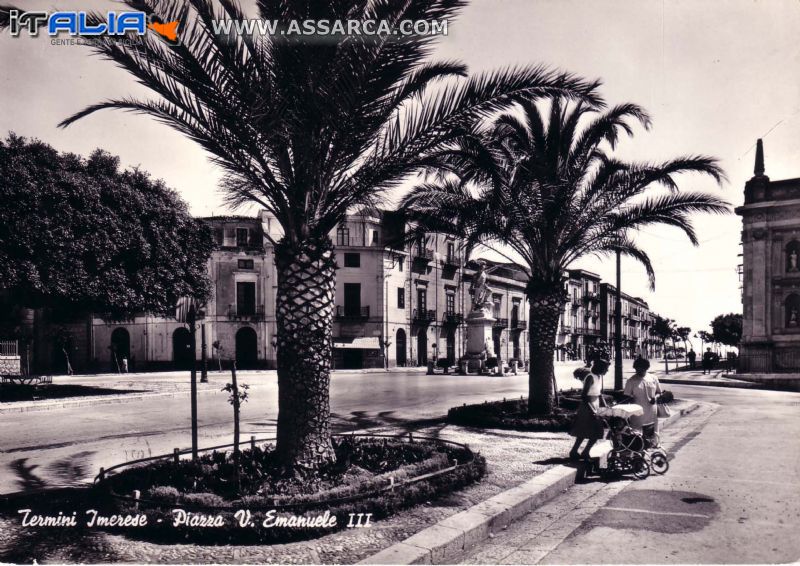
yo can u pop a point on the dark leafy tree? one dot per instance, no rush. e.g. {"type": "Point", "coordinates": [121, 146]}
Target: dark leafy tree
{"type": "Point", "coordinates": [663, 329]}
{"type": "Point", "coordinates": [83, 234]}
{"type": "Point", "coordinates": [706, 338]}
{"type": "Point", "coordinates": [727, 329]}
{"type": "Point", "coordinates": [309, 128]}
{"type": "Point", "coordinates": [545, 183]}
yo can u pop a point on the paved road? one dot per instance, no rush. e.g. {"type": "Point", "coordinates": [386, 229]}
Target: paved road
{"type": "Point", "coordinates": [65, 446]}
{"type": "Point", "coordinates": [732, 495]}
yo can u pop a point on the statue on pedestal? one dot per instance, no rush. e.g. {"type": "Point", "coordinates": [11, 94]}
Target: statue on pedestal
{"type": "Point", "coordinates": [481, 293]}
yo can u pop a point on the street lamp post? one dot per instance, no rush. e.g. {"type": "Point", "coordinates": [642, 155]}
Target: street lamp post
{"type": "Point", "coordinates": [204, 357]}
{"type": "Point", "coordinates": [618, 327]}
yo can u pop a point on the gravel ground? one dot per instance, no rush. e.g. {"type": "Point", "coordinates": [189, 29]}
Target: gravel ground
{"type": "Point", "coordinates": [511, 456]}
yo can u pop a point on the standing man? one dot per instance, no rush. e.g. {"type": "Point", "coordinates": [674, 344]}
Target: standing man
{"type": "Point", "coordinates": [708, 360]}
{"type": "Point", "coordinates": [692, 355]}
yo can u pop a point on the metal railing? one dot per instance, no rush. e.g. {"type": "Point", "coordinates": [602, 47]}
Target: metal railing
{"type": "Point", "coordinates": [500, 323]}
{"type": "Point", "coordinates": [391, 485]}
{"type": "Point", "coordinates": [9, 348]}
{"type": "Point", "coordinates": [423, 254]}
{"type": "Point", "coordinates": [768, 362]}
{"type": "Point", "coordinates": [253, 312]}
{"type": "Point", "coordinates": [352, 312]}
{"type": "Point", "coordinates": [423, 316]}
{"type": "Point", "coordinates": [454, 318]}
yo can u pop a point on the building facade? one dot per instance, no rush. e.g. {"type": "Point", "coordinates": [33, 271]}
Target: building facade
{"type": "Point", "coordinates": [397, 304]}
{"type": "Point", "coordinates": [771, 272]}
{"type": "Point", "coordinates": [636, 321]}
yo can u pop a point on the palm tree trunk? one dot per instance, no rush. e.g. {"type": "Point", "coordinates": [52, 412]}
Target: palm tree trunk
{"type": "Point", "coordinates": [304, 312]}
{"type": "Point", "coordinates": [545, 309]}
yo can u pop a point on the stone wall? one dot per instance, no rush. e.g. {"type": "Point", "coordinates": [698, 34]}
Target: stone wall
{"type": "Point", "coordinates": [9, 365]}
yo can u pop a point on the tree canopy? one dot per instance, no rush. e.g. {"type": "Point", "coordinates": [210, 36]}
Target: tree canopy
{"type": "Point", "coordinates": [81, 232]}
{"type": "Point", "coordinates": [727, 329]}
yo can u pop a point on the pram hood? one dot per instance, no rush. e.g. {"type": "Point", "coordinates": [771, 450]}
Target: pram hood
{"type": "Point", "coordinates": [623, 410]}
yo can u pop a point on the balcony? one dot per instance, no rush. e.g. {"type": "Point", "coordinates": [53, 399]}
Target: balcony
{"type": "Point", "coordinates": [500, 322]}
{"type": "Point", "coordinates": [352, 313]}
{"type": "Point", "coordinates": [246, 312]}
{"type": "Point", "coordinates": [450, 262]}
{"type": "Point", "coordinates": [590, 297]}
{"type": "Point", "coordinates": [423, 316]}
{"type": "Point", "coordinates": [423, 255]}
{"type": "Point", "coordinates": [517, 324]}
{"type": "Point", "coordinates": [585, 330]}
{"type": "Point", "coordinates": [453, 318]}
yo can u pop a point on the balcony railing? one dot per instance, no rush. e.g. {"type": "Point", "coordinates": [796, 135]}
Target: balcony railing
{"type": "Point", "coordinates": [423, 316]}
{"type": "Point", "coordinates": [587, 331]}
{"type": "Point", "coordinates": [591, 297]}
{"type": "Point", "coordinates": [451, 262]}
{"type": "Point", "coordinates": [453, 318]}
{"type": "Point", "coordinates": [244, 312]}
{"type": "Point", "coordinates": [352, 313]}
{"type": "Point", "coordinates": [423, 254]}
{"type": "Point", "coordinates": [518, 324]}
{"type": "Point", "coordinates": [500, 322]}
{"type": "Point", "coordinates": [9, 348]}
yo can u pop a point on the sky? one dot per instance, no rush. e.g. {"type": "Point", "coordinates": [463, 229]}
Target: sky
{"type": "Point", "coordinates": [715, 75]}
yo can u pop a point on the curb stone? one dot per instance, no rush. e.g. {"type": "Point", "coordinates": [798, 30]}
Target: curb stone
{"type": "Point", "coordinates": [709, 383]}
{"type": "Point", "coordinates": [94, 400]}
{"type": "Point", "coordinates": [449, 537]}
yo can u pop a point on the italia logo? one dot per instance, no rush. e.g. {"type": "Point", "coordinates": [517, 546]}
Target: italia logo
{"type": "Point", "coordinates": [77, 24]}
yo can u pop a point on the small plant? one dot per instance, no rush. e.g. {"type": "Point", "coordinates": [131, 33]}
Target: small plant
{"type": "Point", "coordinates": [238, 395]}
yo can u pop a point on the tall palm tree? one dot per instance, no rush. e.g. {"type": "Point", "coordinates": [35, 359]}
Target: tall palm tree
{"type": "Point", "coordinates": [309, 127]}
{"type": "Point", "coordinates": [550, 189]}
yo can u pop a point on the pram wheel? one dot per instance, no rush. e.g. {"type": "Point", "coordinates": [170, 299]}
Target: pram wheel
{"type": "Point", "coordinates": [640, 467]}
{"type": "Point", "coordinates": [659, 463]}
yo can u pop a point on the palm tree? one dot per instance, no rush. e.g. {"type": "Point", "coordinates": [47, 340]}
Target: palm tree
{"type": "Point", "coordinates": [550, 189]}
{"type": "Point", "coordinates": [309, 127]}
{"type": "Point", "coordinates": [683, 332]}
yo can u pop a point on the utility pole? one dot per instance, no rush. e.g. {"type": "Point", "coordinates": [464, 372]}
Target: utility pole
{"type": "Point", "coordinates": [192, 320]}
{"type": "Point", "coordinates": [618, 327]}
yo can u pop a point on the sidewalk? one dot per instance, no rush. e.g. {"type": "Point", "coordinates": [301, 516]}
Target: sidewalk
{"type": "Point", "coordinates": [717, 378]}
{"type": "Point", "coordinates": [473, 529]}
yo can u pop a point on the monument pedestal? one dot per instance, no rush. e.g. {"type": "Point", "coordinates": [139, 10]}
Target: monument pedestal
{"type": "Point", "coordinates": [479, 340]}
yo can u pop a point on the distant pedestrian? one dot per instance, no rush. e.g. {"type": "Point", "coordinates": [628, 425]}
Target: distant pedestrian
{"type": "Point", "coordinates": [124, 364]}
{"type": "Point", "coordinates": [708, 361]}
{"type": "Point", "coordinates": [692, 355]}
{"type": "Point", "coordinates": [587, 424]}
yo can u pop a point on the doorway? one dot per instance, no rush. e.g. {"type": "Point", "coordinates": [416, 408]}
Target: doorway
{"type": "Point", "coordinates": [246, 348]}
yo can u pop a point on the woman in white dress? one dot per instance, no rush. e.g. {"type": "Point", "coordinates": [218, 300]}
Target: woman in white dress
{"type": "Point", "coordinates": [587, 425]}
{"type": "Point", "coordinates": [643, 389]}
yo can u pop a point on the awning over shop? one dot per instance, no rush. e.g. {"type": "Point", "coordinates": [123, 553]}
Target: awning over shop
{"type": "Point", "coordinates": [357, 342]}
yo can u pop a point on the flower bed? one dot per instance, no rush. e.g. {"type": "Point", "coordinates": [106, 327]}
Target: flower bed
{"type": "Point", "coordinates": [513, 414]}
{"type": "Point", "coordinates": [376, 476]}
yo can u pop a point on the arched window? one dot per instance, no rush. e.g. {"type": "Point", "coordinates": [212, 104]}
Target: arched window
{"type": "Point", "coordinates": [793, 311]}
{"type": "Point", "coordinates": [793, 257]}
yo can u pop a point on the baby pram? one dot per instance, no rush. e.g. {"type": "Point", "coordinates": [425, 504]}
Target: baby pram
{"type": "Point", "coordinates": [626, 450]}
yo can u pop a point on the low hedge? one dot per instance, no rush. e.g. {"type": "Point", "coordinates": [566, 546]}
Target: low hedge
{"type": "Point", "coordinates": [513, 415]}
{"type": "Point", "coordinates": [359, 491]}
